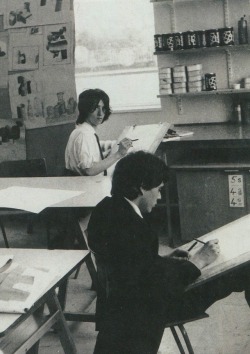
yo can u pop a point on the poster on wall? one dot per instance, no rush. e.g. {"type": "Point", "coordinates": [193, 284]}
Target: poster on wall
{"type": "Point", "coordinates": [60, 103]}
{"type": "Point", "coordinates": [3, 60]}
{"type": "Point", "coordinates": [57, 44]}
{"type": "Point", "coordinates": [25, 58]}
{"type": "Point", "coordinates": [25, 48]}
{"type": "Point", "coordinates": [27, 98]}
{"type": "Point", "coordinates": [20, 13]}
{"type": "Point", "coordinates": [53, 11]}
{"type": "Point", "coordinates": [3, 45]}
{"type": "Point", "coordinates": [4, 73]}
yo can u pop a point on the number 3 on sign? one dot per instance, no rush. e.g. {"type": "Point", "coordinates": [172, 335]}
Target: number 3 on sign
{"type": "Point", "coordinates": [236, 191]}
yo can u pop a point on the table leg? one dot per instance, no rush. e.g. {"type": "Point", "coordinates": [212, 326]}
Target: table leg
{"type": "Point", "coordinates": [62, 294]}
{"type": "Point", "coordinates": [61, 326]}
{"type": "Point", "coordinates": [34, 349]}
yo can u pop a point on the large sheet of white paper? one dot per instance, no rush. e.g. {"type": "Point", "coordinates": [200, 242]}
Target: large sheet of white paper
{"type": "Point", "coordinates": [234, 241]}
{"type": "Point", "coordinates": [22, 286]}
{"type": "Point", "coordinates": [33, 199]}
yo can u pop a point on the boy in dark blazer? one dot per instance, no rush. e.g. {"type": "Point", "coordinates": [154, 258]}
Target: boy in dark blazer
{"type": "Point", "coordinates": [140, 291]}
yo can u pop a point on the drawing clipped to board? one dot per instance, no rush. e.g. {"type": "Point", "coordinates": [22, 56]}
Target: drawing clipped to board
{"type": "Point", "coordinates": [234, 242]}
{"type": "Point", "coordinates": [146, 137]}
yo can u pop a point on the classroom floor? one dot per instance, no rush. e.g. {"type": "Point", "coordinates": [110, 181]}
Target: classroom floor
{"type": "Point", "coordinates": [226, 331]}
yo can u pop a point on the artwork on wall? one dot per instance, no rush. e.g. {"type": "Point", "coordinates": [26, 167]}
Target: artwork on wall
{"type": "Point", "coordinates": [57, 44]}
{"type": "Point", "coordinates": [27, 98]}
{"type": "Point", "coordinates": [39, 36]}
{"type": "Point", "coordinates": [20, 13]}
{"type": "Point", "coordinates": [1, 22]}
{"type": "Point", "coordinates": [60, 107]}
{"type": "Point", "coordinates": [59, 95]}
{"type": "Point", "coordinates": [4, 73]}
{"type": "Point", "coordinates": [3, 45]}
{"type": "Point", "coordinates": [35, 30]}
{"type": "Point", "coordinates": [25, 58]}
{"type": "Point", "coordinates": [53, 11]}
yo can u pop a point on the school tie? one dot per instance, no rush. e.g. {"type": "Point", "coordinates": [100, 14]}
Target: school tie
{"type": "Point", "coordinates": [101, 154]}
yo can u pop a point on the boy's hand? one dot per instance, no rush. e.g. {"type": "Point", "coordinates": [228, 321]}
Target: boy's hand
{"type": "Point", "coordinates": [207, 254]}
{"type": "Point", "coordinates": [179, 254]}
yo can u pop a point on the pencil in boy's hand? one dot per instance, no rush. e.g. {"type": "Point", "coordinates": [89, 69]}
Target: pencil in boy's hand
{"type": "Point", "coordinates": [194, 244]}
{"type": "Point", "coordinates": [197, 240]}
{"type": "Point", "coordinates": [190, 248]}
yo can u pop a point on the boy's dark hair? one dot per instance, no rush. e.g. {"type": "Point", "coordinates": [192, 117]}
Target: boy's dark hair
{"type": "Point", "coordinates": [88, 101]}
{"type": "Point", "coordinates": [136, 170]}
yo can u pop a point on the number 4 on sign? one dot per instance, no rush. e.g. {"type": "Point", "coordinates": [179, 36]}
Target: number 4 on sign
{"type": "Point", "coordinates": [233, 191]}
{"type": "Point", "coordinates": [233, 203]}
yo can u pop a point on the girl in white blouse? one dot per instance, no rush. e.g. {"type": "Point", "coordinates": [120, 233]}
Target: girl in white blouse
{"type": "Point", "coordinates": [84, 155]}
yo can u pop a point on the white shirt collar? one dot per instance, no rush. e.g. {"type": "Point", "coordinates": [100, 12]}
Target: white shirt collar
{"type": "Point", "coordinates": [135, 207]}
{"type": "Point", "coordinates": [87, 127]}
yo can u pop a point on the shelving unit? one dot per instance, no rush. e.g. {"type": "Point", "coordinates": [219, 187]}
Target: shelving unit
{"type": "Point", "coordinates": [231, 48]}
{"type": "Point", "coordinates": [171, 4]}
{"type": "Point", "coordinates": [217, 92]}
{"type": "Point", "coordinates": [221, 59]}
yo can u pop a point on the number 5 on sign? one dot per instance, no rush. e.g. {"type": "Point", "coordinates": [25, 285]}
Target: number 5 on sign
{"type": "Point", "coordinates": [236, 191]}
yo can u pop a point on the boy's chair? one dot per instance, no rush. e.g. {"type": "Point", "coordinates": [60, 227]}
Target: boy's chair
{"type": "Point", "coordinates": [20, 168]}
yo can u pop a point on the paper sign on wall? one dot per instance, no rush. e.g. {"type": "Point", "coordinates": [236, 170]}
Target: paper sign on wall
{"type": "Point", "coordinates": [236, 191]}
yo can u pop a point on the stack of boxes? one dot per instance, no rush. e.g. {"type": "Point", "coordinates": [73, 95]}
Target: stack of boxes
{"type": "Point", "coordinates": [194, 74]}
{"type": "Point", "coordinates": [165, 79]}
{"type": "Point", "coordinates": [179, 79]}
{"type": "Point", "coordinates": [247, 83]}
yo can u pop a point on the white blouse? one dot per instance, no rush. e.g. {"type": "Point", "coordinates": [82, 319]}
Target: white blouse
{"type": "Point", "coordinates": [82, 149]}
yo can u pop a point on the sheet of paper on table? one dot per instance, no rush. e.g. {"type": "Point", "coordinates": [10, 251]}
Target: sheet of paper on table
{"type": "Point", "coordinates": [21, 287]}
{"type": "Point", "coordinates": [33, 199]}
{"type": "Point", "coordinates": [234, 241]}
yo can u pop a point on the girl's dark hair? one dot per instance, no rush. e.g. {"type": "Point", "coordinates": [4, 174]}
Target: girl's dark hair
{"type": "Point", "coordinates": [138, 170]}
{"type": "Point", "coordinates": [88, 101]}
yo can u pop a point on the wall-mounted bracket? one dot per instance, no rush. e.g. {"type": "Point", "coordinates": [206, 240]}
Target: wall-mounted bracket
{"type": "Point", "coordinates": [170, 3]}
{"type": "Point", "coordinates": [229, 67]}
{"type": "Point", "coordinates": [179, 105]}
{"type": "Point", "coordinates": [226, 13]}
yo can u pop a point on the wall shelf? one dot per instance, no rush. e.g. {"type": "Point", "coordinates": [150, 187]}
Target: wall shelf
{"type": "Point", "coordinates": [172, 2]}
{"type": "Point", "coordinates": [231, 48]}
{"type": "Point", "coordinates": [202, 93]}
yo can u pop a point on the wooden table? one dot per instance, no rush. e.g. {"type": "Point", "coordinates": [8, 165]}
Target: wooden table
{"type": "Point", "coordinates": [95, 188]}
{"type": "Point", "coordinates": [22, 332]}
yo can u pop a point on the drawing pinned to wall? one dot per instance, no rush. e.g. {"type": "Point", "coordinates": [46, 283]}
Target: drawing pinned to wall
{"type": "Point", "coordinates": [4, 73]}
{"type": "Point", "coordinates": [23, 84]}
{"type": "Point", "coordinates": [21, 13]}
{"type": "Point", "coordinates": [59, 94]}
{"type": "Point", "coordinates": [26, 98]}
{"type": "Point", "coordinates": [53, 11]}
{"type": "Point", "coordinates": [35, 30]}
{"type": "Point", "coordinates": [25, 58]}
{"type": "Point", "coordinates": [57, 44]}
{"type": "Point", "coordinates": [30, 111]}
{"type": "Point", "coordinates": [60, 107]}
{"type": "Point", "coordinates": [57, 7]}
{"type": "Point", "coordinates": [3, 45]}
{"type": "Point", "coordinates": [1, 22]}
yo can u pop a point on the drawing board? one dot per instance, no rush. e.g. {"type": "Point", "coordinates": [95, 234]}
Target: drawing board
{"type": "Point", "coordinates": [234, 241]}
{"type": "Point", "coordinates": [149, 136]}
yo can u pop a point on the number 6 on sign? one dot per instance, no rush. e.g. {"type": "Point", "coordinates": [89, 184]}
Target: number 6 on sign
{"type": "Point", "coordinates": [236, 191]}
